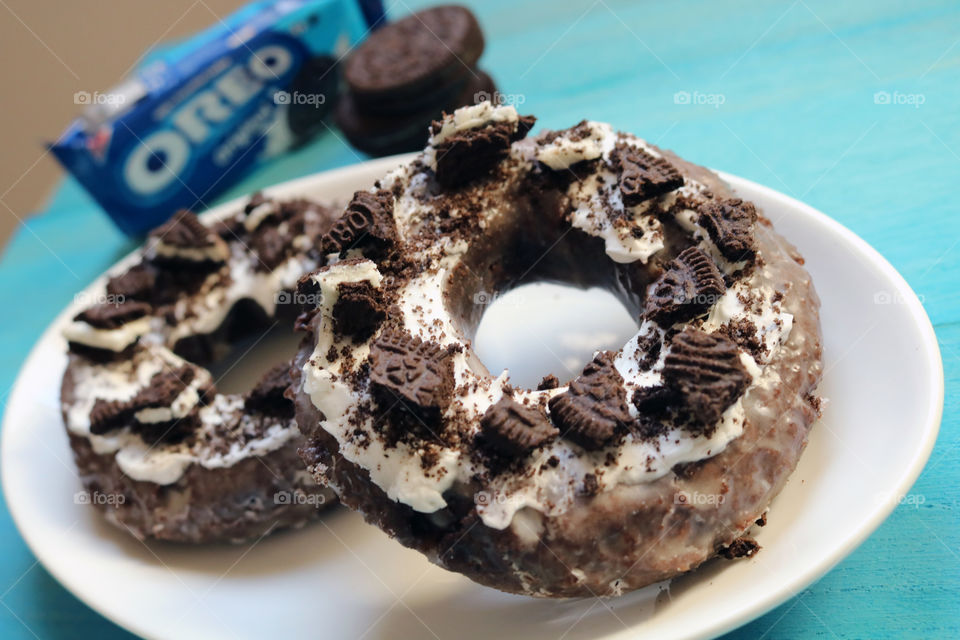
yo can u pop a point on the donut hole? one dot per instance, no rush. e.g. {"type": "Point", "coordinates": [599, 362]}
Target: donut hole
{"type": "Point", "coordinates": [249, 343]}
{"type": "Point", "coordinates": [546, 328]}
{"type": "Point", "coordinates": [541, 298]}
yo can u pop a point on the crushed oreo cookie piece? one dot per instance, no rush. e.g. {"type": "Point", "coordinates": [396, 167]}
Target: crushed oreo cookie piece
{"type": "Point", "coordinates": [367, 224]}
{"type": "Point", "coordinates": [184, 230]}
{"type": "Point", "coordinates": [271, 248]}
{"type": "Point", "coordinates": [524, 125]}
{"type": "Point", "coordinates": [730, 225]}
{"type": "Point", "coordinates": [705, 370]}
{"type": "Point", "coordinates": [745, 333]}
{"type": "Point", "coordinates": [511, 429]}
{"type": "Point", "coordinates": [473, 153]}
{"type": "Point", "coordinates": [593, 412]}
{"type": "Point", "coordinates": [268, 395]}
{"type": "Point", "coordinates": [654, 400]}
{"type": "Point", "coordinates": [136, 283]}
{"type": "Point", "coordinates": [648, 428]}
{"type": "Point", "coordinates": [358, 311]}
{"type": "Point", "coordinates": [306, 297]}
{"type": "Point", "coordinates": [549, 381]}
{"type": "Point", "coordinates": [688, 470]}
{"type": "Point", "coordinates": [648, 349]}
{"type": "Point", "coordinates": [185, 243]}
{"type": "Point", "coordinates": [743, 547]}
{"type": "Point", "coordinates": [163, 390]}
{"type": "Point", "coordinates": [107, 415]}
{"type": "Point", "coordinates": [643, 175]}
{"type": "Point", "coordinates": [255, 201]}
{"type": "Point", "coordinates": [690, 285]}
{"type": "Point", "coordinates": [411, 375]}
{"type": "Point", "coordinates": [109, 316]}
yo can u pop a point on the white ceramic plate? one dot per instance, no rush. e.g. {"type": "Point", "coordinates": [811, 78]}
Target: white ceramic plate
{"type": "Point", "coordinates": [343, 579]}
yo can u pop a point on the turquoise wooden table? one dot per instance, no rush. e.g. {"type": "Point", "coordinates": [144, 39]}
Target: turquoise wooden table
{"type": "Point", "coordinates": [851, 107]}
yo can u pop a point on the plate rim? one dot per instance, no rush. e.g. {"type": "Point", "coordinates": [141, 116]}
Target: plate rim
{"type": "Point", "coordinates": [931, 421]}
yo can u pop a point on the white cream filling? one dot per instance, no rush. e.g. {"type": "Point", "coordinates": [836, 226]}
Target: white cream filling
{"type": "Point", "coordinates": [111, 339]}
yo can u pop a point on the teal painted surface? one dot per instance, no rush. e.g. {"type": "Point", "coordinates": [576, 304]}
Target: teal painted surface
{"type": "Point", "coordinates": [797, 82]}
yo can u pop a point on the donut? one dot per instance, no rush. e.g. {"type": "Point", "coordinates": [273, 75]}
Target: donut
{"type": "Point", "coordinates": [653, 459]}
{"type": "Point", "coordinates": [158, 449]}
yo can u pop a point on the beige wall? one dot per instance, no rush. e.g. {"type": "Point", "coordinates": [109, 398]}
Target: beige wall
{"type": "Point", "coordinates": [50, 49]}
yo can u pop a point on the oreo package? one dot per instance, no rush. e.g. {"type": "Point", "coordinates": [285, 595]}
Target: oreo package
{"type": "Point", "coordinates": [199, 115]}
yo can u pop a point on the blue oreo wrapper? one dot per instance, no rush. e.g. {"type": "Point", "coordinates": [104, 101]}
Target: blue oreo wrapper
{"type": "Point", "coordinates": [201, 114]}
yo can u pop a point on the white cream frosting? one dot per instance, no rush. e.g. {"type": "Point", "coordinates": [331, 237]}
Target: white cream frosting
{"type": "Point", "coordinates": [546, 488]}
{"type": "Point", "coordinates": [205, 312]}
{"type": "Point", "coordinates": [563, 151]}
{"type": "Point", "coordinates": [629, 233]}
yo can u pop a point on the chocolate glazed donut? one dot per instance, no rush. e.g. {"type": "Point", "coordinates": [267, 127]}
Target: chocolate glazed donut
{"type": "Point", "coordinates": [158, 449]}
{"type": "Point", "coordinates": [655, 458]}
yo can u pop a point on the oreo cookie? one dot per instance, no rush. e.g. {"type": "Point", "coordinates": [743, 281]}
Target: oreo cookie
{"type": "Point", "coordinates": [412, 57]}
{"type": "Point", "coordinates": [136, 283]}
{"type": "Point", "coordinates": [268, 395]}
{"type": "Point", "coordinates": [408, 74]}
{"type": "Point", "coordinates": [110, 316]}
{"type": "Point", "coordinates": [154, 413]}
{"type": "Point", "coordinates": [107, 415]}
{"type": "Point", "coordinates": [385, 133]}
{"type": "Point", "coordinates": [184, 242]}
{"type": "Point", "coordinates": [358, 311]}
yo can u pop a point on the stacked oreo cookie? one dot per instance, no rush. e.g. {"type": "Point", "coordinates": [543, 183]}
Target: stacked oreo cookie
{"type": "Point", "coordinates": [407, 74]}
